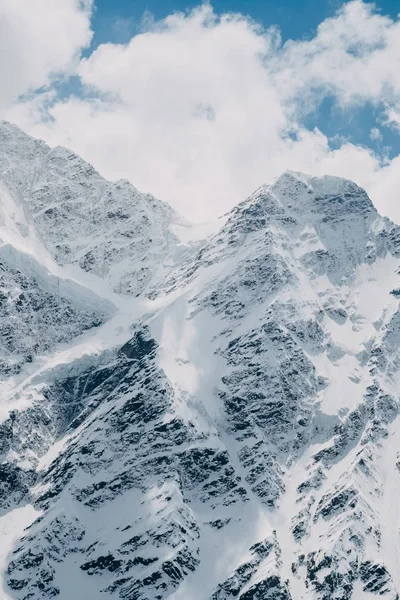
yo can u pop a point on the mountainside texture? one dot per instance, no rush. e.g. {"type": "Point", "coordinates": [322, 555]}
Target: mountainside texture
{"type": "Point", "coordinates": [195, 420]}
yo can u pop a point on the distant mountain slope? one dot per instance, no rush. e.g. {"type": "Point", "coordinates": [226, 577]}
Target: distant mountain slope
{"type": "Point", "coordinates": [232, 430]}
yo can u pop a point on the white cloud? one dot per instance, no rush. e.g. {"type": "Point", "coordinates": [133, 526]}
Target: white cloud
{"type": "Point", "coordinates": [393, 117]}
{"type": "Point", "coordinates": [38, 39]}
{"type": "Point", "coordinates": [375, 134]}
{"type": "Point", "coordinates": [353, 56]}
{"type": "Point", "coordinates": [200, 110]}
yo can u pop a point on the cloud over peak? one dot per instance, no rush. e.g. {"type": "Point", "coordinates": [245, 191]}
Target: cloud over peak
{"type": "Point", "coordinates": [199, 109]}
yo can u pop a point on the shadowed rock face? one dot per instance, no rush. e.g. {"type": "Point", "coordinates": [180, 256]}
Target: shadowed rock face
{"type": "Point", "coordinates": [233, 432]}
{"type": "Point", "coordinates": [35, 318]}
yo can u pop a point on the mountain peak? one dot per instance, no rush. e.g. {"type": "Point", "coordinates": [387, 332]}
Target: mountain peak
{"type": "Point", "coordinates": [109, 229]}
{"type": "Point", "coordinates": [326, 195]}
{"type": "Point", "coordinates": [301, 200]}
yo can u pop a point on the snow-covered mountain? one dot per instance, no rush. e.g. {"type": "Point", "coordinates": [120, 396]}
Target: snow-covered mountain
{"type": "Point", "coordinates": [195, 420]}
{"type": "Point", "coordinates": [108, 229]}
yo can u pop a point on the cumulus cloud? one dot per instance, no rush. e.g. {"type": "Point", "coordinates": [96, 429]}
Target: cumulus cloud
{"type": "Point", "coordinates": [39, 40]}
{"type": "Point", "coordinates": [354, 56]}
{"type": "Point", "coordinates": [200, 109]}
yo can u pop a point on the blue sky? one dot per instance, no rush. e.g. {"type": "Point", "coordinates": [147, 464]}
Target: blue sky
{"type": "Point", "coordinates": [202, 108]}
{"type": "Point", "coordinates": [116, 20]}
{"type": "Point", "coordinates": [295, 18]}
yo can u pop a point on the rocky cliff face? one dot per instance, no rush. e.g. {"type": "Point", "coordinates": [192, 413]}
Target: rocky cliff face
{"type": "Point", "coordinates": [223, 424]}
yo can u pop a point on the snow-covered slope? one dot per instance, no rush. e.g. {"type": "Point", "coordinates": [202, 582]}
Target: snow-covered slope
{"type": "Point", "coordinates": [230, 429]}
{"type": "Point", "coordinates": [108, 229]}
